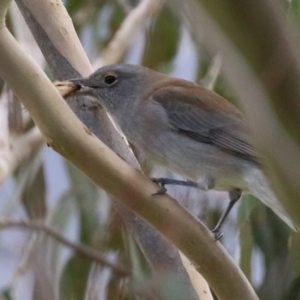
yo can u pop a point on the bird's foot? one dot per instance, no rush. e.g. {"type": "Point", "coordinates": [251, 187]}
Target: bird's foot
{"type": "Point", "coordinates": [160, 182]}
{"type": "Point", "coordinates": [217, 233]}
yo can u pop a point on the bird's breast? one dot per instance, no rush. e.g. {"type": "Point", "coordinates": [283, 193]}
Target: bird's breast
{"type": "Point", "coordinates": [194, 160]}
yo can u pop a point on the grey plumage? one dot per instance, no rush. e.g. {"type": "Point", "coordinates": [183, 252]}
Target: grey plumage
{"type": "Point", "coordinates": [184, 127]}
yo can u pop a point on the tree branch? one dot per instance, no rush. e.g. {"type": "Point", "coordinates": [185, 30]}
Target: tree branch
{"type": "Point", "coordinates": [74, 141]}
{"type": "Point", "coordinates": [84, 251]}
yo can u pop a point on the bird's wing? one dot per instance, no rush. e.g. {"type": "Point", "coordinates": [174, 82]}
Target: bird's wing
{"type": "Point", "coordinates": [205, 117]}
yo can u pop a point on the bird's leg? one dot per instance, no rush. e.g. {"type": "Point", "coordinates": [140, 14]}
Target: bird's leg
{"type": "Point", "coordinates": [205, 184]}
{"type": "Point", "coordinates": [165, 181]}
{"type": "Point", "coordinates": [161, 186]}
{"type": "Point", "coordinates": [234, 196]}
{"type": "Point", "coordinates": [161, 182]}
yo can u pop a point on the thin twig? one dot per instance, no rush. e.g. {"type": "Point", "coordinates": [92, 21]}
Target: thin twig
{"type": "Point", "coordinates": [213, 72]}
{"type": "Point", "coordinates": [22, 267]}
{"type": "Point", "coordinates": [84, 251]}
{"type": "Point", "coordinates": [134, 23]}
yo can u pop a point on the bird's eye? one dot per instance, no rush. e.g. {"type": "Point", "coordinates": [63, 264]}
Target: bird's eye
{"type": "Point", "coordinates": [110, 79]}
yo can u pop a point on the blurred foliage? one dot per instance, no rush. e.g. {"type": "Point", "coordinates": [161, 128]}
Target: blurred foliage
{"type": "Point", "coordinates": [33, 196]}
{"type": "Point", "coordinates": [6, 295]}
{"type": "Point", "coordinates": [293, 12]}
{"type": "Point", "coordinates": [1, 85]}
{"type": "Point", "coordinates": [86, 195]}
{"type": "Point", "coordinates": [162, 41]}
{"type": "Point", "coordinates": [74, 279]}
{"type": "Point", "coordinates": [83, 205]}
{"type": "Point", "coordinates": [271, 237]}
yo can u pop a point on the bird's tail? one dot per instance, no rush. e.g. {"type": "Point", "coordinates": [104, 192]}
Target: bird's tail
{"type": "Point", "coordinates": [259, 187]}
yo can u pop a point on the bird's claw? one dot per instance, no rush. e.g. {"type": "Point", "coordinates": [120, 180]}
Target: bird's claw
{"type": "Point", "coordinates": [161, 186]}
{"type": "Point", "coordinates": [217, 234]}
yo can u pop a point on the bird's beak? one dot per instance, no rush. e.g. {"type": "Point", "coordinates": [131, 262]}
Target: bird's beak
{"type": "Point", "coordinates": [77, 81]}
{"type": "Point", "coordinates": [82, 87]}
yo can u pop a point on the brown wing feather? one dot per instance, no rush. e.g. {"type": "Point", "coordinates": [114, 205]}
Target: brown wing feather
{"type": "Point", "coordinates": [195, 111]}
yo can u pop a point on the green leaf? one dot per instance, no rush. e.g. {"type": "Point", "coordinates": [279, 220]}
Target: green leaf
{"type": "Point", "coordinates": [293, 13]}
{"type": "Point", "coordinates": [246, 242]}
{"type": "Point", "coordinates": [27, 177]}
{"type": "Point", "coordinates": [86, 195]}
{"type": "Point", "coordinates": [270, 233]}
{"type": "Point", "coordinates": [117, 19]}
{"type": "Point", "coordinates": [58, 219]}
{"type": "Point", "coordinates": [245, 209]}
{"type": "Point", "coordinates": [294, 252]}
{"type": "Point", "coordinates": [294, 290]}
{"type": "Point", "coordinates": [73, 282]}
{"type": "Point", "coordinates": [162, 41]}
{"type": "Point", "coordinates": [6, 294]}
{"type": "Point", "coordinates": [34, 193]}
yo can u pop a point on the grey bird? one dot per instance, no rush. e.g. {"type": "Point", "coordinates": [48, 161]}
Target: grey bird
{"type": "Point", "coordinates": [184, 127]}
